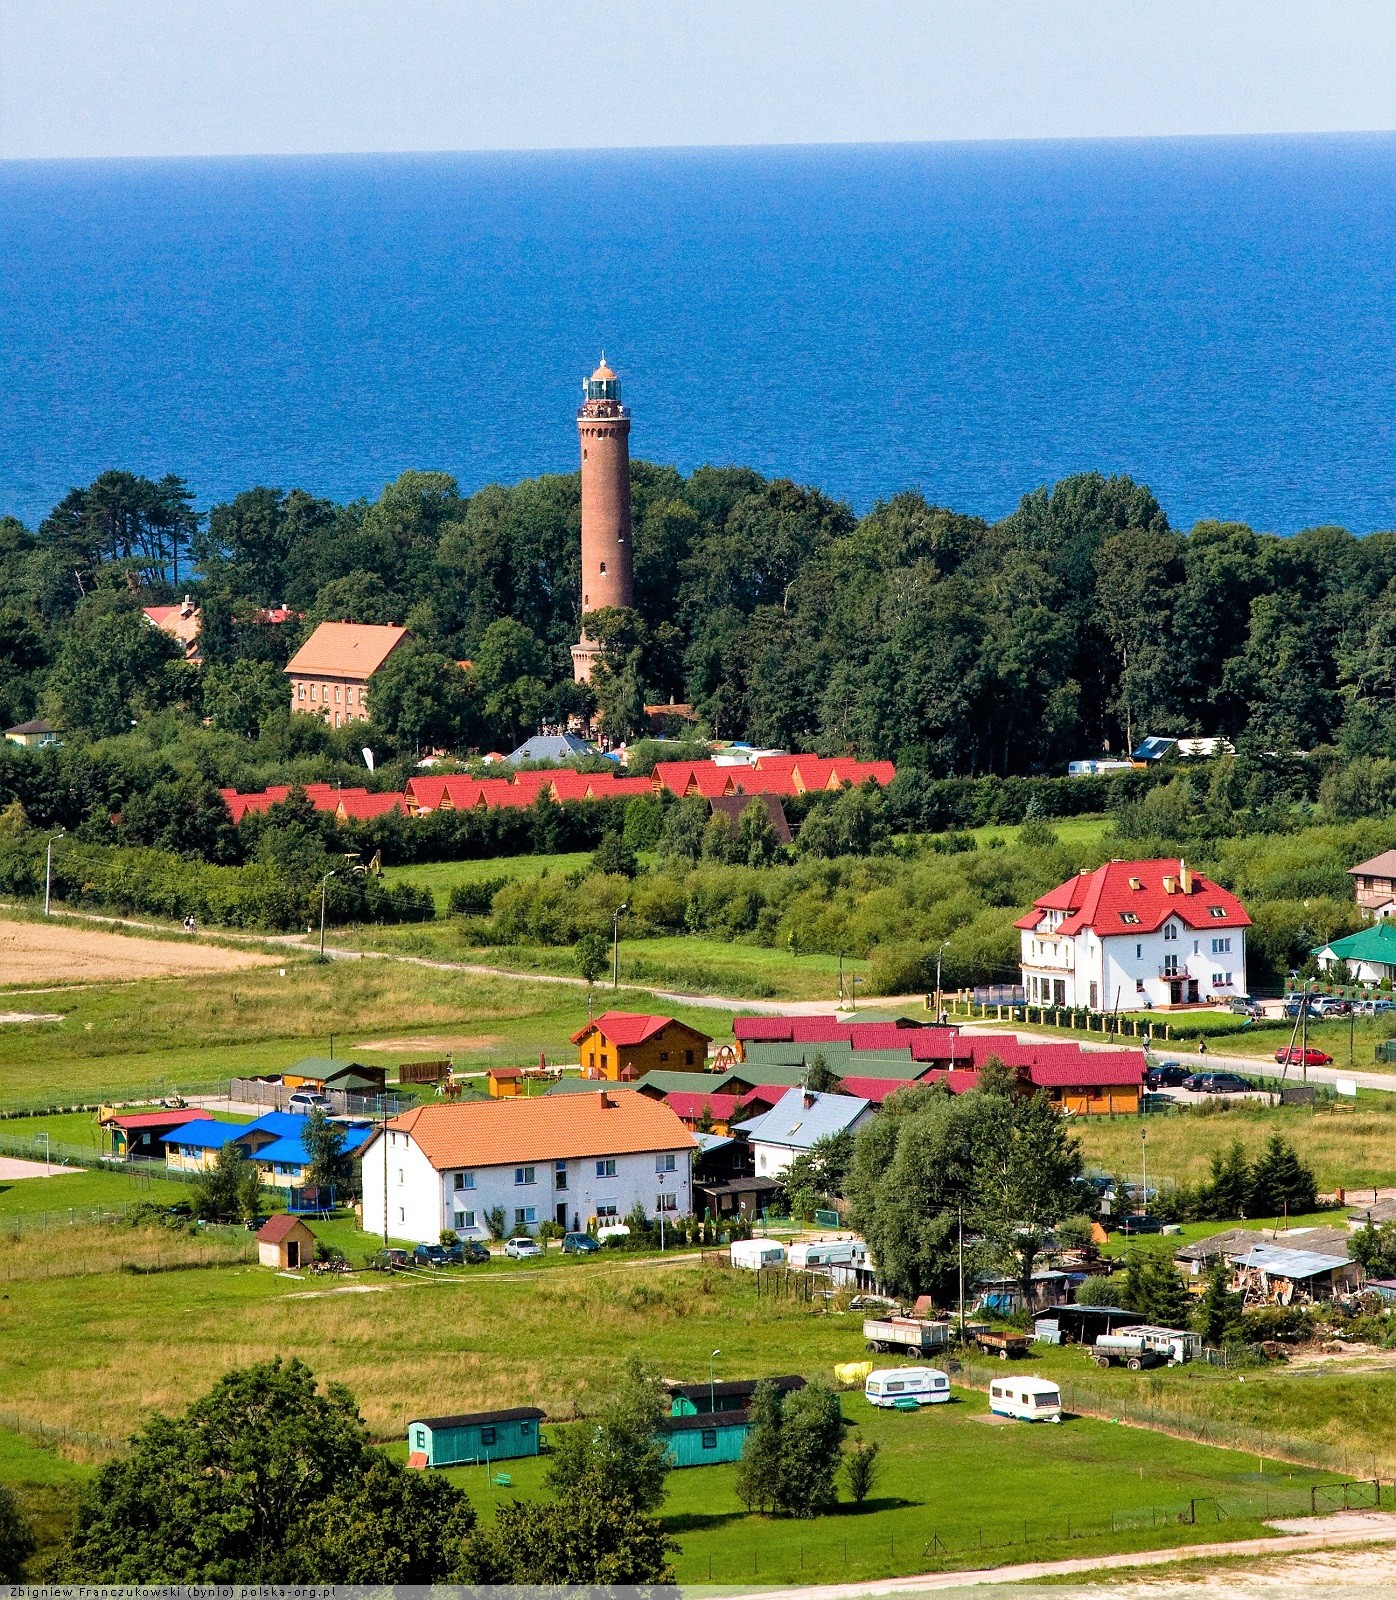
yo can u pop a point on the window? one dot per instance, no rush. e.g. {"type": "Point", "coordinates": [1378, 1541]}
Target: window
{"type": "Point", "coordinates": [363, 699]}
{"type": "Point", "coordinates": [401, 1215]}
{"type": "Point", "coordinates": [710, 1438]}
{"type": "Point", "coordinates": [465, 1219]}
{"type": "Point", "coordinates": [1139, 986]}
{"type": "Point", "coordinates": [488, 1435]}
{"type": "Point", "coordinates": [312, 691]}
{"type": "Point", "coordinates": [663, 1055]}
{"type": "Point", "coordinates": [666, 1162]}
{"type": "Point", "coordinates": [1170, 930]}
{"type": "Point", "coordinates": [300, 691]}
{"type": "Point", "coordinates": [1218, 979]}
{"type": "Point", "coordinates": [605, 1061]}
{"type": "Point", "coordinates": [607, 1168]}
{"type": "Point", "coordinates": [399, 1174]}
{"type": "Point", "coordinates": [1059, 992]}
{"type": "Point", "coordinates": [523, 1215]}
{"type": "Point", "coordinates": [1216, 911]}
{"type": "Point", "coordinates": [560, 1175]}
{"type": "Point", "coordinates": [1095, 997]}
{"type": "Point", "coordinates": [607, 1211]}
{"type": "Point", "coordinates": [336, 694]}
{"type": "Point", "coordinates": [465, 1180]}
{"type": "Point", "coordinates": [420, 1438]}
{"type": "Point", "coordinates": [525, 1428]}
{"type": "Point", "coordinates": [524, 1175]}
{"type": "Point", "coordinates": [1128, 916]}
{"type": "Point", "coordinates": [1170, 966]}
{"type": "Point", "coordinates": [1221, 947]}
{"type": "Point", "coordinates": [666, 1202]}
{"type": "Point", "coordinates": [603, 569]}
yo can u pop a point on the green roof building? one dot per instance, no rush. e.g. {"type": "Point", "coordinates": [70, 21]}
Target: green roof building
{"type": "Point", "coordinates": [1369, 955]}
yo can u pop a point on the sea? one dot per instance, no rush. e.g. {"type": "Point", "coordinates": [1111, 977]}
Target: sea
{"type": "Point", "coordinates": [1214, 317]}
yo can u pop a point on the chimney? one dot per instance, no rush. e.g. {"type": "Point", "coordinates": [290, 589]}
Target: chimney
{"type": "Point", "coordinates": [809, 1098]}
{"type": "Point", "coordinates": [606, 1100]}
{"type": "Point", "coordinates": [1184, 877]}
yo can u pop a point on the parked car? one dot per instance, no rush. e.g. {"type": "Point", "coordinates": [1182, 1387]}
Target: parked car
{"type": "Point", "coordinates": [579, 1244]}
{"type": "Point", "coordinates": [1219, 1083]}
{"type": "Point", "coordinates": [431, 1255]}
{"type": "Point", "coordinates": [1293, 1056]}
{"type": "Point", "coordinates": [1243, 1006]}
{"type": "Point", "coordinates": [1327, 1005]}
{"type": "Point", "coordinates": [1167, 1075]}
{"type": "Point", "coordinates": [1295, 1002]}
{"type": "Point", "coordinates": [305, 1101]}
{"type": "Point", "coordinates": [522, 1249]}
{"type": "Point", "coordinates": [1133, 1227]}
{"type": "Point", "coordinates": [473, 1253]}
{"type": "Point", "coordinates": [393, 1259]}
{"type": "Point", "coordinates": [1371, 1008]}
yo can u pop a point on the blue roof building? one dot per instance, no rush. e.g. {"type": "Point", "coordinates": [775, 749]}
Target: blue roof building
{"type": "Point", "coordinates": [797, 1122]}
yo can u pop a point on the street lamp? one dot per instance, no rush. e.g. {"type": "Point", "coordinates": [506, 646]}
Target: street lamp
{"type": "Point", "coordinates": [615, 942]}
{"type": "Point", "coordinates": [712, 1386]}
{"type": "Point", "coordinates": [324, 885]}
{"type": "Point", "coordinates": [1144, 1174]}
{"type": "Point", "coordinates": [939, 954]}
{"type": "Point", "coordinates": [48, 869]}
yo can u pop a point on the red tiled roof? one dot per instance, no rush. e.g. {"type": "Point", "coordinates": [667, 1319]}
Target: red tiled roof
{"type": "Point", "coordinates": [764, 1094]}
{"type": "Point", "coordinates": [691, 1105]}
{"type": "Point", "coordinates": [276, 1228]}
{"type": "Point", "coordinates": [356, 807]}
{"type": "Point", "coordinates": [630, 1027]}
{"type": "Point", "coordinates": [132, 1121]}
{"type": "Point", "coordinates": [1102, 899]}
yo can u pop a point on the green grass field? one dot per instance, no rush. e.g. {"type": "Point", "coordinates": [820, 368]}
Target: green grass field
{"type": "Point", "coordinates": [1083, 833]}
{"type": "Point", "coordinates": [123, 1319]}
{"type": "Point", "coordinates": [158, 1036]}
{"type": "Point", "coordinates": [443, 876]}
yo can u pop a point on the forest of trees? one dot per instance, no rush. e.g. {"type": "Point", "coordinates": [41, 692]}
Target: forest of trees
{"type": "Point", "coordinates": [951, 645]}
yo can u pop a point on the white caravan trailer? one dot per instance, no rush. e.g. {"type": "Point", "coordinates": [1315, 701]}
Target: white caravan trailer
{"type": "Point", "coordinates": [829, 1253]}
{"type": "Point", "coordinates": [1027, 1399]}
{"type": "Point", "coordinates": [895, 1386]}
{"type": "Point", "coordinates": [757, 1253]}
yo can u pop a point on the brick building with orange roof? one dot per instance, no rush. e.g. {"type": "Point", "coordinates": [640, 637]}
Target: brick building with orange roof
{"type": "Point", "coordinates": [330, 672]}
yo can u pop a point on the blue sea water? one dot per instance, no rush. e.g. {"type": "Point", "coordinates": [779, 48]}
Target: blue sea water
{"type": "Point", "coordinates": [1214, 317]}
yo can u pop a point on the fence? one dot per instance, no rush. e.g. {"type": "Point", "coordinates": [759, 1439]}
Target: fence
{"type": "Point", "coordinates": [423, 1071]}
{"type": "Point", "coordinates": [1000, 1543]}
{"type": "Point", "coordinates": [276, 1096]}
{"type": "Point", "coordinates": [61, 1153]}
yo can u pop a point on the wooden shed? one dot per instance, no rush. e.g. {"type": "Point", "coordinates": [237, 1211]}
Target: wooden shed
{"type": "Point", "coordinates": [474, 1436]}
{"type": "Point", "coordinates": [284, 1241]}
{"type": "Point", "coordinates": [699, 1441]}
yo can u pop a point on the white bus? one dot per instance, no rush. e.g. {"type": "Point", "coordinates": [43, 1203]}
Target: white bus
{"type": "Point", "coordinates": [927, 1386]}
{"type": "Point", "coordinates": [1026, 1399]}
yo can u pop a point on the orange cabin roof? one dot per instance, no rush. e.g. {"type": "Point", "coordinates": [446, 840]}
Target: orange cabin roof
{"type": "Point", "coordinates": [345, 650]}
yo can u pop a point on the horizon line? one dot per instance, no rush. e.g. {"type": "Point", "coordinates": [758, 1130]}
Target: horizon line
{"type": "Point", "coordinates": [1267, 136]}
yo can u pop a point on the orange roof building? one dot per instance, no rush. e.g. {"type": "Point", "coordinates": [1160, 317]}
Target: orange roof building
{"type": "Point", "coordinates": [181, 622]}
{"type": "Point", "coordinates": [569, 1159]}
{"type": "Point", "coordinates": [330, 672]}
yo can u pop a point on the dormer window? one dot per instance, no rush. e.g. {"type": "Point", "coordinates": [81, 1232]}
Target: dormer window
{"type": "Point", "coordinates": [1216, 911]}
{"type": "Point", "coordinates": [1128, 916]}
{"type": "Point", "coordinates": [1134, 883]}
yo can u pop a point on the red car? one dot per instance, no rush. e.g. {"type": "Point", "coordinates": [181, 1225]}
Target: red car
{"type": "Point", "coordinates": [1296, 1057]}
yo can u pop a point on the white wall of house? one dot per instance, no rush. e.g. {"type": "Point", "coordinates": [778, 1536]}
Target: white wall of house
{"type": "Point", "coordinates": [422, 1201]}
{"type": "Point", "coordinates": [1129, 971]}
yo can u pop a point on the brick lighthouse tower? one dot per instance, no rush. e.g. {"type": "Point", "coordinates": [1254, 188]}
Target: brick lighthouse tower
{"type": "Point", "coordinates": [607, 579]}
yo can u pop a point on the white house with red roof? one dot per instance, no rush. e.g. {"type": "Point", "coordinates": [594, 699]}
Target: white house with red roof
{"type": "Point", "coordinates": [1132, 935]}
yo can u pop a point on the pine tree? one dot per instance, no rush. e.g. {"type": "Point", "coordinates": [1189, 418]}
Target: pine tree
{"type": "Point", "coordinates": [1281, 1185]}
{"type": "Point", "coordinates": [1218, 1314]}
{"type": "Point", "coordinates": [1226, 1196]}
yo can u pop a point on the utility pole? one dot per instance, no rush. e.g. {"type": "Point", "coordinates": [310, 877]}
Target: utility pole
{"type": "Point", "coordinates": [48, 870]}
{"type": "Point", "coordinates": [961, 1214]}
{"type": "Point", "coordinates": [1144, 1177]}
{"type": "Point", "coordinates": [615, 943]}
{"type": "Point", "coordinates": [712, 1387]}
{"type": "Point", "coordinates": [385, 1177]}
{"type": "Point", "coordinates": [939, 954]}
{"type": "Point", "coordinates": [324, 884]}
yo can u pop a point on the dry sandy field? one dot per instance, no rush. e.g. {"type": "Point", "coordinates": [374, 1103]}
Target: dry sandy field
{"type": "Point", "coordinates": [59, 952]}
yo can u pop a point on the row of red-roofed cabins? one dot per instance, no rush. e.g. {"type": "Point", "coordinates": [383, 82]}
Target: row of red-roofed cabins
{"type": "Point", "coordinates": [1084, 1082]}
{"type": "Point", "coordinates": [777, 775]}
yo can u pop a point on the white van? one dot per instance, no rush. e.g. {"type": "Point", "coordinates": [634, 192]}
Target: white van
{"type": "Point", "coordinates": [828, 1253]}
{"type": "Point", "coordinates": [927, 1386]}
{"type": "Point", "coordinates": [1027, 1399]}
{"type": "Point", "coordinates": [754, 1254]}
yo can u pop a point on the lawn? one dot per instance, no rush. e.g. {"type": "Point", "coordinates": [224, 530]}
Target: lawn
{"type": "Point", "coordinates": [443, 876]}
{"type": "Point", "coordinates": [28, 1203]}
{"type": "Point", "coordinates": [444, 1343]}
{"type": "Point", "coordinates": [1349, 1145]}
{"type": "Point", "coordinates": [1073, 833]}
{"type": "Point", "coordinates": [158, 1036]}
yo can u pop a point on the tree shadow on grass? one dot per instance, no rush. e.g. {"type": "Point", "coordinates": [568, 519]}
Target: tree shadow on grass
{"type": "Point", "coordinates": [701, 1521]}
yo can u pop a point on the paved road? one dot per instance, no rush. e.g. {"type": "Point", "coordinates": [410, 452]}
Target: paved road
{"type": "Point", "coordinates": [1328, 1533]}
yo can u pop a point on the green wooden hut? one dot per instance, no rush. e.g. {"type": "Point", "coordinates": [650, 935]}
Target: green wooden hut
{"type": "Point", "coordinates": [475, 1436]}
{"type": "Point", "coordinates": [702, 1440]}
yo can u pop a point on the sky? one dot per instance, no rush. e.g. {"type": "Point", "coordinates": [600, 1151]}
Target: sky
{"type": "Point", "coordinates": [94, 78]}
